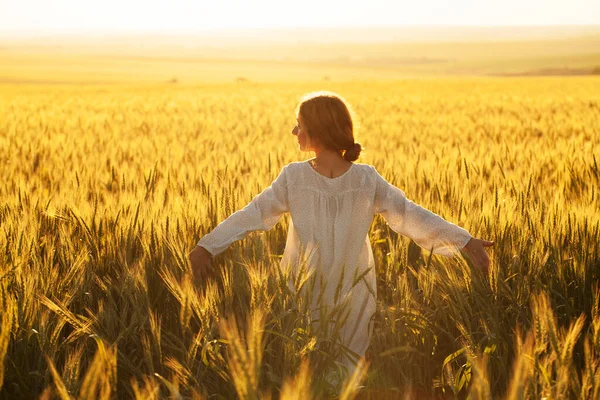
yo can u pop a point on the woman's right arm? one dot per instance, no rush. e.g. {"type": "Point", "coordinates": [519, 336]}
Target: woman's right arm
{"type": "Point", "coordinates": [261, 214]}
{"type": "Point", "coordinates": [200, 258]}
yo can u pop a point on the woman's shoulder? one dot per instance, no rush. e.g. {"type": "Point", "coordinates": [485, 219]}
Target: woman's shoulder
{"type": "Point", "coordinates": [364, 167]}
{"type": "Point", "coordinates": [366, 170]}
{"type": "Point", "coordinates": [294, 166]}
{"type": "Point", "coordinates": [301, 166]}
{"type": "Point", "coordinates": [371, 175]}
{"type": "Point", "coordinates": [360, 174]}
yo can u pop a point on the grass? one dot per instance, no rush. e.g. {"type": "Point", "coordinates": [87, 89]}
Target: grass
{"type": "Point", "coordinates": [107, 189]}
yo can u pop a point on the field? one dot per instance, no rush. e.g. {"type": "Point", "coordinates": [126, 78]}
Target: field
{"type": "Point", "coordinates": [298, 56]}
{"type": "Point", "coordinates": [107, 187]}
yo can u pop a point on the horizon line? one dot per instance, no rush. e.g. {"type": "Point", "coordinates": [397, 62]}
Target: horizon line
{"type": "Point", "coordinates": [133, 32]}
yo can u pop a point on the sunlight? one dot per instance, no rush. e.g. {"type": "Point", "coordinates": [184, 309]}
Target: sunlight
{"type": "Point", "coordinates": [185, 16]}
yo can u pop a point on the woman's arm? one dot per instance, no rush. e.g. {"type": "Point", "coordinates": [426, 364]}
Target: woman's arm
{"type": "Point", "coordinates": [475, 250]}
{"type": "Point", "coordinates": [200, 259]}
{"type": "Point", "coordinates": [426, 228]}
{"type": "Point", "coordinates": [261, 214]}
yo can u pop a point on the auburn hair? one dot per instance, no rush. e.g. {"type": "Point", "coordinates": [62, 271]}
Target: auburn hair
{"type": "Point", "coordinates": [328, 119]}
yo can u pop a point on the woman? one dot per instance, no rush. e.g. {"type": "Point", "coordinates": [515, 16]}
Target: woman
{"type": "Point", "coordinates": [332, 202]}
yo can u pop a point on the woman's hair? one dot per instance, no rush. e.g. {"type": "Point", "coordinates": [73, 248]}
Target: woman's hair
{"type": "Point", "coordinates": [328, 119]}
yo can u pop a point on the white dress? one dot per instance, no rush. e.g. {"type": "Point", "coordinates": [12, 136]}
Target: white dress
{"type": "Point", "coordinates": [330, 220]}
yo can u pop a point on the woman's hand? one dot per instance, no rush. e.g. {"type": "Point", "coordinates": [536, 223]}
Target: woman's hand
{"type": "Point", "coordinates": [201, 264]}
{"type": "Point", "coordinates": [475, 250]}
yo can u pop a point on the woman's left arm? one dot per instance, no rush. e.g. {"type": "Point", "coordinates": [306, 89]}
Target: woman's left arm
{"type": "Point", "coordinates": [475, 250]}
{"type": "Point", "coordinates": [426, 228]}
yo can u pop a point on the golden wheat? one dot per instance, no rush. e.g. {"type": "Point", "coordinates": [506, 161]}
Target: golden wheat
{"type": "Point", "coordinates": [106, 189]}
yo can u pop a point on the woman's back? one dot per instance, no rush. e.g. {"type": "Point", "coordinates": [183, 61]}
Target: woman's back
{"type": "Point", "coordinates": [330, 218]}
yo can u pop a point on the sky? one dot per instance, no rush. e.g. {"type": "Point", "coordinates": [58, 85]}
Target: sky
{"type": "Point", "coordinates": [72, 16]}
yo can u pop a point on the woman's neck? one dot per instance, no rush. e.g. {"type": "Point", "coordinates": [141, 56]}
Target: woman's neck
{"type": "Point", "coordinates": [326, 157]}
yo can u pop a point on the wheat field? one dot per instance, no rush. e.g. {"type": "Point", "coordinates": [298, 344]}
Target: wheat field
{"type": "Point", "coordinates": [107, 188]}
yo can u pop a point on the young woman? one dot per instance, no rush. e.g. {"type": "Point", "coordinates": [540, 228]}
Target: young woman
{"type": "Point", "coordinates": [332, 202]}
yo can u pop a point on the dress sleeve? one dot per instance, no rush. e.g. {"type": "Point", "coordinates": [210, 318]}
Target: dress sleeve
{"type": "Point", "coordinates": [261, 214]}
{"type": "Point", "coordinates": [428, 230]}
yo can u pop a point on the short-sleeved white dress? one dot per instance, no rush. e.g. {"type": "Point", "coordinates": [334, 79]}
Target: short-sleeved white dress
{"type": "Point", "coordinates": [328, 230]}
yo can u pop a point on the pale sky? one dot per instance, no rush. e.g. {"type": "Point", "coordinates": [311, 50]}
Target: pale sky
{"type": "Point", "coordinates": [187, 16]}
